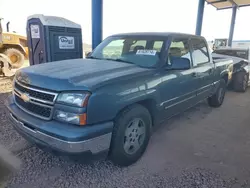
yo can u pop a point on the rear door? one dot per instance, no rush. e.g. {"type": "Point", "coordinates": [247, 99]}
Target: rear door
{"type": "Point", "coordinates": [178, 87]}
{"type": "Point", "coordinates": [203, 67]}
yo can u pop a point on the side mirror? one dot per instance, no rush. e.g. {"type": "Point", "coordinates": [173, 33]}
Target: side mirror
{"type": "Point", "coordinates": [180, 63]}
{"type": "Point", "coordinates": [88, 54]}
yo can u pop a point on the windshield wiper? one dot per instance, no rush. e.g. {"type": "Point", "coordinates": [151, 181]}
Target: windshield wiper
{"type": "Point", "coordinates": [119, 60]}
{"type": "Point", "coordinates": [92, 57]}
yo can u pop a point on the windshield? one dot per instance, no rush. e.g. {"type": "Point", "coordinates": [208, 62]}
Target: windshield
{"type": "Point", "coordinates": [137, 50]}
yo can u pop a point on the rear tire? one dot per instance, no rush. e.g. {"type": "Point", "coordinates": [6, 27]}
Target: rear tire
{"type": "Point", "coordinates": [240, 81]}
{"type": "Point", "coordinates": [131, 135]}
{"type": "Point", "coordinates": [217, 99]}
{"type": "Point", "coordinates": [16, 57]}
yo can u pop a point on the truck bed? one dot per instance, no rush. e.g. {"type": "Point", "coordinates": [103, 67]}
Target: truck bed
{"type": "Point", "coordinates": [218, 57]}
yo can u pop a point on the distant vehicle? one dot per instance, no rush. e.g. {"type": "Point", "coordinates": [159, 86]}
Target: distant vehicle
{"type": "Point", "coordinates": [222, 43]}
{"type": "Point", "coordinates": [241, 63]}
{"type": "Point", "coordinates": [241, 59]}
{"type": "Point", "coordinates": [110, 101]}
{"type": "Point", "coordinates": [240, 74]}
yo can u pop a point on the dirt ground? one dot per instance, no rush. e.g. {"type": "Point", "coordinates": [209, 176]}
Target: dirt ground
{"type": "Point", "coordinates": [202, 148]}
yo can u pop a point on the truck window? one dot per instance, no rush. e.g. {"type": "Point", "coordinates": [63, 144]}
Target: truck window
{"type": "Point", "coordinates": [158, 45]}
{"type": "Point", "coordinates": [140, 43]}
{"type": "Point", "coordinates": [113, 49]}
{"type": "Point", "coordinates": [179, 48]}
{"type": "Point", "coordinates": [200, 52]}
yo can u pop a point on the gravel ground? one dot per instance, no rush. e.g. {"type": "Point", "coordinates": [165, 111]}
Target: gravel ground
{"type": "Point", "coordinates": [202, 148]}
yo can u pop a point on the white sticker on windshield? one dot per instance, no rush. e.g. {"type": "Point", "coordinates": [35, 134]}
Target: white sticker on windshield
{"type": "Point", "coordinates": [146, 52]}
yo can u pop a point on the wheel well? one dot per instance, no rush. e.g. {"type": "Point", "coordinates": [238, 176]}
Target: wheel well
{"type": "Point", "coordinates": [149, 104]}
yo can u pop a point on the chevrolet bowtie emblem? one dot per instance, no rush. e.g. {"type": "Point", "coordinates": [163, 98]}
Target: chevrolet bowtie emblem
{"type": "Point", "coordinates": [25, 97]}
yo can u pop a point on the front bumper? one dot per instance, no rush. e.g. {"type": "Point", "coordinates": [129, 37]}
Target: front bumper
{"type": "Point", "coordinates": [61, 137]}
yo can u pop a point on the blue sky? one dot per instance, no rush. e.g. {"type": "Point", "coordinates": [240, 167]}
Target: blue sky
{"type": "Point", "coordinates": [131, 16]}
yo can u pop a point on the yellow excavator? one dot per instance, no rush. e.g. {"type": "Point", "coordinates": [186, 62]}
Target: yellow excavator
{"type": "Point", "coordinates": [13, 51]}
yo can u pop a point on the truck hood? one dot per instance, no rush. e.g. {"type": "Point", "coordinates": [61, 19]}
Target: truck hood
{"type": "Point", "coordinates": [78, 74]}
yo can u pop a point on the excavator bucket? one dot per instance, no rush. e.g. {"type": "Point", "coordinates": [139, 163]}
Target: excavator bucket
{"type": "Point", "coordinates": [5, 66]}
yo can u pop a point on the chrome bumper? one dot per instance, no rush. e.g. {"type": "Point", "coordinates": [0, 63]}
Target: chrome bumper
{"type": "Point", "coordinates": [94, 145]}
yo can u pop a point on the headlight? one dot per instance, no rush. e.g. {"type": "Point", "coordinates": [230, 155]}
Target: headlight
{"type": "Point", "coordinates": [75, 99]}
{"type": "Point", "coordinates": [79, 119]}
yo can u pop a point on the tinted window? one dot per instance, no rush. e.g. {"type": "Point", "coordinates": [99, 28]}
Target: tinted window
{"type": "Point", "coordinates": [178, 48]}
{"type": "Point", "coordinates": [200, 52]}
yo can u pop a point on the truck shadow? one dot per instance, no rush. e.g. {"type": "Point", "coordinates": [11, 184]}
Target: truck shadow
{"type": "Point", "coordinates": [8, 163]}
{"type": "Point", "coordinates": [202, 108]}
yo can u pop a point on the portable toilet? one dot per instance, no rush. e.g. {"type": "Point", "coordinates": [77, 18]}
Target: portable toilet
{"type": "Point", "coordinates": [52, 38]}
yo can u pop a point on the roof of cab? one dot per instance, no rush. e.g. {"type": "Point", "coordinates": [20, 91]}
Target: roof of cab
{"type": "Point", "coordinates": [160, 34]}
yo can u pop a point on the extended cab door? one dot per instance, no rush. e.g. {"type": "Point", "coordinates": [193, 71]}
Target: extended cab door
{"type": "Point", "coordinates": [203, 67]}
{"type": "Point", "coordinates": [178, 87]}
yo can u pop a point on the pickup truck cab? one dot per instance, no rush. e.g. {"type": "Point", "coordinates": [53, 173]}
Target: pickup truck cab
{"type": "Point", "coordinates": [110, 101]}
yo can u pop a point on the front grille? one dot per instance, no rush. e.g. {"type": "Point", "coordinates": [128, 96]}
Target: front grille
{"type": "Point", "coordinates": [33, 108]}
{"type": "Point", "coordinates": [40, 103]}
{"type": "Point", "coordinates": [34, 93]}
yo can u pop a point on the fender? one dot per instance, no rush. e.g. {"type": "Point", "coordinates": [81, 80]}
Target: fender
{"type": "Point", "coordinates": [226, 73]}
{"type": "Point", "coordinates": [241, 66]}
{"type": "Point", "coordinates": [22, 48]}
{"type": "Point", "coordinates": [18, 46]}
{"type": "Point", "coordinates": [138, 97]}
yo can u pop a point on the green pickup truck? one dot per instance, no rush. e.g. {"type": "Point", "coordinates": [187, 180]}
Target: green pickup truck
{"type": "Point", "coordinates": [110, 102]}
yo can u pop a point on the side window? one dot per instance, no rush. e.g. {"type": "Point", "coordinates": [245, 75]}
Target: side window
{"type": "Point", "coordinates": [200, 52]}
{"type": "Point", "coordinates": [157, 46]}
{"type": "Point", "coordinates": [179, 48]}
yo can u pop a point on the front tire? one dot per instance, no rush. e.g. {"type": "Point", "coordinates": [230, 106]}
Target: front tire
{"type": "Point", "coordinates": [217, 99]}
{"type": "Point", "coordinates": [131, 135]}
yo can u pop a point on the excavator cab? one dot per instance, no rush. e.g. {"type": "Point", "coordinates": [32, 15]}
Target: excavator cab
{"type": "Point", "coordinates": [220, 43]}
